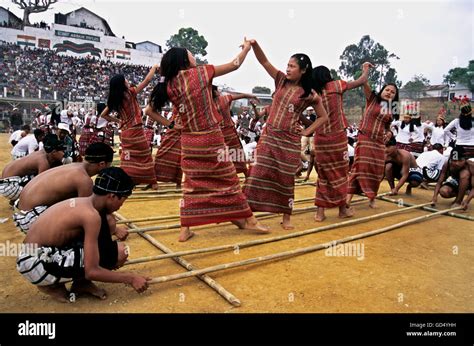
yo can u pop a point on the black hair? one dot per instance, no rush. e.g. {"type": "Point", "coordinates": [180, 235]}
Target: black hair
{"type": "Point", "coordinates": [214, 91]}
{"type": "Point", "coordinates": [437, 146]}
{"type": "Point", "coordinates": [413, 122]}
{"type": "Point", "coordinates": [444, 122]}
{"type": "Point", "coordinates": [113, 180]}
{"type": "Point", "coordinates": [26, 128]}
{"type": "Point", "coordinates": [465, 118]}
{"type": "Point", "coordinates": [391, 142]}
{"type": "Point", "coordinates": [394, 103]}
{"type": "Point", "coordinates": [51, 142]}
{"type": "Point", "coordinates": [100, 107]}
{"type": "Point", "coordinates": [38, 133]}
{"type": "Point", "coordinates": [173, 61]}
{"type": "Point", "coordinates": [98, 152]}
{"type": "Point", "coordinates": [116, 92]}
{"type": "Point", "coordinates": [257, 138]}
{"type": "Point", "coordinates": [321, 76]}
{"type": "Point", "coordinates": [306, 81]}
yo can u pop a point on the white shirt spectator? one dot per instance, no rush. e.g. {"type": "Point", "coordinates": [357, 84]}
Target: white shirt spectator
{"type": "Point", "coordinates": [350, 150]}
{"type": "Point", "coordinates": [464, 137]}
{"type": "Point", "coordinates": [157, 139]}
{"type": "Point", "coordinates": [438, 136]}
{"type": "Point", "coordinates": [63, 116]}
{"type": "Point", "coordinates": [249, 149]}
{"type": "Point", "coordinates": [101, 122]}
{"type": "Point", "coordinates": [15, 136]}
{"type": "Point", "coordinates": [431, 159]}
{"type": "Point", "coordinates": [25, 146]}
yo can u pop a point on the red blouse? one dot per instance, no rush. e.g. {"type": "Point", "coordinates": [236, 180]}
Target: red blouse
{"type": "Point", "coordinates": [191, 93]}
{"type": "Point", "coordinates": [130, 112]}
{"type": "Point", "coordinates": [223, 103]}
{"type": "Point", "coordinates": [333, 104]}
{"type": "Point", "coordinates": [287, 105]}
{"type": "Point", "coordinates": [375, 119]}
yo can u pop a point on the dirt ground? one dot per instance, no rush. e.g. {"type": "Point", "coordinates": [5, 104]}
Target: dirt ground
{"type": "Point", "coordinates": [426, 267]}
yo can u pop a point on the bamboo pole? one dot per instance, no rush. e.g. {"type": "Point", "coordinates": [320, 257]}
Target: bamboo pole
{"type": "Point", "coordinates": [427, 208]}
{"type": "Point", "coordinates": [277, 238]}
{"type": "Point", "coordinates": [176, 217]}
{"type": "Point", "coordinates": [182, 262]}
{"type": "Point", "coordinates": [295, 252]}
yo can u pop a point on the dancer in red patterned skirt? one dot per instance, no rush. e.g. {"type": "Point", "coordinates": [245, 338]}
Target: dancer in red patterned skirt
{"type": "Point", "coordinates": [231, 138]}
{"type": "Point", "coordinates": [211, 191]}
{"type": "Point", "coordinates": [87, 133]}
{"type": "Point", "coordinates": [330, 142]}
{"type": "Point", "coordinates": [369, 162]}
{"type": "Point", "coordinates": [168, 155]}
{"type": "Point", "coordinates": [135, 158]}
{"type": "Point", "coordinates": [271, 182]}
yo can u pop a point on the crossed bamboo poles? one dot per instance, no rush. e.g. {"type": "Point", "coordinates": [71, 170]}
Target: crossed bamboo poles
{"type": "Point", "coordinates": [202, 273]}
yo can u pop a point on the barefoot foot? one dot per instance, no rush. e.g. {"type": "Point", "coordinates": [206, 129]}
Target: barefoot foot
{"type": "Point", "coordinates": [57, 292]}
{"type": "Point", "coordinates": [286, 223]}
{"type": "Point", "coordinates": [372, 204]}
{"type": "Point", "coordinates": [345, 212]}
{"type": "Point", "coordinates": [185, 234]}
{"type": "Point", "coordinates": [87, 287]}
{"type": "Point", "coordinates": [319, 215]}
{"type": "Point", "coordinates": [252, 224]}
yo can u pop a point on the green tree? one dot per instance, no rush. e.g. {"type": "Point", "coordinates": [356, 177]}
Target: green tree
{"type": "Point", "coordinates": [415, 88]}
{"type": "Point", "coordinates": [261, 90]}
{"type": "Point", "coordinates": [334, 74]}
{"type": "Point", "coordinates": [352, 59]}
{"type": "Point", "coordinates": [190, 39]}
{"type": "Point", "coordinates": [462, 75]}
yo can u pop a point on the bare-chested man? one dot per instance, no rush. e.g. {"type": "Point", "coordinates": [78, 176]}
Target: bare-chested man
{"type": "Point", "coordinates": [72, 241]}
{"type": "Point", "coordinates": [401, 164]}
{"type": "Point", "coordinates": [455, 179]}
{"type": "Point", "coordinates": [19, 172]}
{"type": "Point", "coordinates": [60, 183]}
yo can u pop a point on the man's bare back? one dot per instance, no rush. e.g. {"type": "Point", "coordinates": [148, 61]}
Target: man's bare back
{"type": "Point", "coordinates": [404, 157]}
{"type": "Point", "coordinates": [56, 185]}
{"type": "Point", "coordinates": [32, 164]}
{"type": "Point", "coordinates": [63, 223]}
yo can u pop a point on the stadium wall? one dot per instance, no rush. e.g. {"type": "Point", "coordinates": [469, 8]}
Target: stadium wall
{"type": "Point", "coordinates": [80, 42]}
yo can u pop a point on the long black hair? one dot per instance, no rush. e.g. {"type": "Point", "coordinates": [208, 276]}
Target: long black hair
{"type": "Point", "coordinates": [413, 122]}
{"type": "Point", "coordinates": [465, 118]}
{"type": "Point", "coordinates": [306, 81]}
{"type": "Point", "coordinates": [116, 92]}
{"type": "Point", "coordinates": [321, 76]}
{"type": "Point", "coordinates": [395, 104]}
{"type": "Point", "coordinates": [174, 60]}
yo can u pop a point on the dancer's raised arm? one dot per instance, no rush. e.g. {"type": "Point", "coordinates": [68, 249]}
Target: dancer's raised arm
{"type": "Point", "coordinates": [221, 70]}
{"type": "Point", "coordinates": [362, 79]}
{"type": "Point", "coordinates": [262, 59]}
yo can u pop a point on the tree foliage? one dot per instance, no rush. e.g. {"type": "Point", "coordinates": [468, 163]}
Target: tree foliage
{"type": "Point", "coordinates": [190, 39]}
{"type": "Point", "coordinates": [415, 88]}
{"type": "Point", "coordinates": [462, 75]}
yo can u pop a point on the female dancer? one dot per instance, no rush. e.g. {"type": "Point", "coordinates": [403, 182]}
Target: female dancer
{"type": "Point", "coordinates": [211, 191]}
{"type": "Point", "coordinates": [135, 158]}
{"type": "Point", "coordinates": [369, 162]}
{"type": "Point", "coordinates": [271, 182]}
{"type": "Point", "coordinates": [330, 142]}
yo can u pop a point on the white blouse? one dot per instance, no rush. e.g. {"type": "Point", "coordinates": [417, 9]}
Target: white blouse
{"type": "Point", "coordinates": [463, 137]}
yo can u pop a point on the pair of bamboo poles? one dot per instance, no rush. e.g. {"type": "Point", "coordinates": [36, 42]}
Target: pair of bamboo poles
{"type": "Point", "coordinates": [202, 273]}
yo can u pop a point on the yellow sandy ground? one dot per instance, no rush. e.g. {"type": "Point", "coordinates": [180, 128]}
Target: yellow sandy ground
{"type": "Point", "coordinates": [425, 267]}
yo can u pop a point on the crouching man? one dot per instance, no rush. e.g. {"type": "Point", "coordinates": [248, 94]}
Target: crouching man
{"type": "Point", "coordinates": [401, 164]}
{"type": "Point", "coordinates": [72, 241]}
